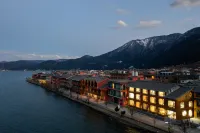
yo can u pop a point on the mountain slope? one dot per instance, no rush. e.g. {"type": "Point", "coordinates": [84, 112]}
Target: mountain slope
{"type": "Point", "coordinates": [151, 52]}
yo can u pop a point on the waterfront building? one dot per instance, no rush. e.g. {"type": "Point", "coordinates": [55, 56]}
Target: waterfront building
{"type": "Point", "coordinates": [95, 87]}
{"type": "Point", "coordinates": [117, 91]}
{"type": "Point", "coordinates": [77, 83]}
{"type": "Point", "coordinates": [164, 99]}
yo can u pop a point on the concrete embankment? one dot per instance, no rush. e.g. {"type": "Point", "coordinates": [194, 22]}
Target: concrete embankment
{"type": "Point", "coordinates": [130, 121]}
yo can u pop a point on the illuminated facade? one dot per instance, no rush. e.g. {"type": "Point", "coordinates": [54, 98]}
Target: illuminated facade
{"type": "Point", "coordinates": [117, 92]}
{"type": "Point", "coordinates": [167, 100]}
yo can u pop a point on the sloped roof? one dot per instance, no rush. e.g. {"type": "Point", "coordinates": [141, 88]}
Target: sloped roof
{"type": "Point", "coordinates": [178, 93]}
{"type": "Point", "coordinates": [120, 80]}
{"type": "Point", "coordinates": [78, 77]}
{"type": "Point", "coordinates": [152, 85]}
{"type": "Point", "coordinates": [97, 79]}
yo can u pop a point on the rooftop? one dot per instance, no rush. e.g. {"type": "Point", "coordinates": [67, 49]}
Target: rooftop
{"type": "Point", "coordinates": [97, 78]}
{"type": "Point", "coordinates": [120, 80]}
{"type": "Point", "coordinates": [152, 85]}
{"type": "Point", "coordinates": [178, 93]}
{"type": "Point", "coordinates": [79, 77]}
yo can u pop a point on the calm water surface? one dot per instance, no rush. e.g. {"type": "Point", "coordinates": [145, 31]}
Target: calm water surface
{"type": "Point", "coordinates": [25, 108]}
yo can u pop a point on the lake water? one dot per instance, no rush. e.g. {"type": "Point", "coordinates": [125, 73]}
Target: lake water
{"type": "Point", "coordinates": [25, 108]}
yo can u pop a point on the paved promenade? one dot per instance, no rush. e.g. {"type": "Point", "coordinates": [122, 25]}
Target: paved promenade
{"type": "Point", "coordinates": [137, 117]}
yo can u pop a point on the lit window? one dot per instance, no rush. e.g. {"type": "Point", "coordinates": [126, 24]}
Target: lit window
{"type": "Point", "coordinates": [131, 89]}
{"type": "Point", "coordinates": [152, 108]}
{"type": "Point", "coordinates": [145, 106]}
{"type": "Point", "coordinates": [161, 94]}
{"type": "Point", "coordinates": [152, 92]}
{"type": "Point", "coordinates": [145, 98]}
{"type": "Point", "coordinates": [137, 89]}
{"type": "Point", "coordinates": [153, 100]}
{"type": "Point", "coordinates": [184, 113]}
{"type": "Point", "coordinates": [152, 77]}
{"type": "Point", "coordinates": [171, 114]}
{"type": "Point", "coordinates": [190, 113]}
{"type": "Point", "coordinates": [131, 95]}
{"type": "Point", "coordinates": [190, 104]}
{"type": "Point", "coordinates": [145, 91]}
{"type": "Point", "coordinates": [131, 102]}
{"type": "Point", "coordinates": [162, 111]}
{"type": "Point", "coordinates": [137, 96]}
{"type": "Point", "coordinates": [113, 85]}
{"type": "Point", "coordinates": [171, 104]}
{"type": "Point", "coordinates": [138, 104]}
{"type": "Point", "coordinates": [161, 101]}
{"type": "Point", "coordinates": [182, 105]}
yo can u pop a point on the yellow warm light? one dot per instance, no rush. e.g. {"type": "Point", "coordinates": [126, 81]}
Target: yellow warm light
{"type": "Point", "coordinates": [113, 85]}
{"type": "Point", "coordinates": [190, 104]}
{"type": "Point", "coordinates": [162, 111]}
{"type": "Point", "coordinates": [161, 101]}
{"type": "Point", "coordinates": [182, 105]}
{"type": "Point", "coordinates": [145, 106]}
{"type": "Point", "coordinates": [131, 95]}
{"type": "Point", "coordinates": [137, 96]}
{"type": "Point", "coordinates": [184, 113]}
{"type": "Point", "coordinates": [153, 108]}
{"type": "Point", "coordinates": [161, 94]}
{"type": "Point", "coordinates": [153, 100]}
{"type": "Point", "coordinates": [145, 91]}
{"type": "Point", "coordinates": [131, 102]}
{"type": "Point", "coordinates": [171, 104]}
{"type": "Point", "coordinates": [137, 89]}
{"type": "Point", "coordinates": [190, 113]}
{"type": "Point", "coordinates": [171, 114]}
{"type": "Point", "coordinates": [152, 77]}
{"type": "Point", "coordinates": [138, 104]}
{"type": "Point", "coordinates": [152, 92]}
{"type": "Point", "coordinates": [145, 98]}
{"type": "Point", "coordinates": [131, 89]}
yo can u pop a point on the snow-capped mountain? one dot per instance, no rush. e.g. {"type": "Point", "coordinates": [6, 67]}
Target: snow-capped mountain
{"type": "Point", "coordinates": [155, 44]}
{"type": "Point", "coordinates": [151, 52]}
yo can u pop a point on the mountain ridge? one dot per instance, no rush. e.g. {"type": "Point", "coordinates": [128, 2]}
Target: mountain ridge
{"type": "Point", "coordinates": [152, 52]}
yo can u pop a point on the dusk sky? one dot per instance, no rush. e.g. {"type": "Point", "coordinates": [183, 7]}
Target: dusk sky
{"type": "Point", "coordinates": [54, 29]}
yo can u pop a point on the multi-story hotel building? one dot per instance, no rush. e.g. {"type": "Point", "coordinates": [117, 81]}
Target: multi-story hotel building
{"type": "Point", "coordinates": [117, 92]}
{"type": "Point", "coordinates": [167, 100]}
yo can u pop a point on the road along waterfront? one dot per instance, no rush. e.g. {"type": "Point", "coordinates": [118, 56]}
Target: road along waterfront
{"type": "Point", "coordinates": [137, 119]}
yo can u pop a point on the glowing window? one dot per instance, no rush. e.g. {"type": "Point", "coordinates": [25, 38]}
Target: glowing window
{"type": "Point", "coordinates": [184, 113]}
{"type": "Point", "coordinates": [145, 106]}
{"type": "Point", "coordinates": [137, 89]}
{"type": "Point", "coordinates": [131, 89]}
{"type": "Point", "coordinates": [138, 96]}
{"type": "Point", "coordinates": [152, 92]}
{"type": "Point", "coordinates": [171, 114]}
{"type": "Point", "coordinates": [161, 101]}
{"type": "Point", "coordinates": [171, 104]}
{"type": "Point", "coordinates": [182, 105]}
{"type": "Point", "coordinates": [113, 85]}
{"type": "Point", "coordinates": [145, 91]}
{"type": "Point", "coordinates": [190, 113]}
{"type": "Point", "coordinates": [190, 104]}
{"type": "Point", "coordinates": [131, 102]}
{"type": "Point", "coordinates": [152, 108]}
{"type": "Point", "coordinates": [131, 95]}
{"type": "Point", "coordinates": [161, 94]}
{"type": "Point", "coordinates": [138, 104]}
{"type": "Point", "coordinates": [162, 111]}
{"type": "Point", "coordinates": [145, 98]}
{"type": "Point", "coordinates": [153, 100]}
